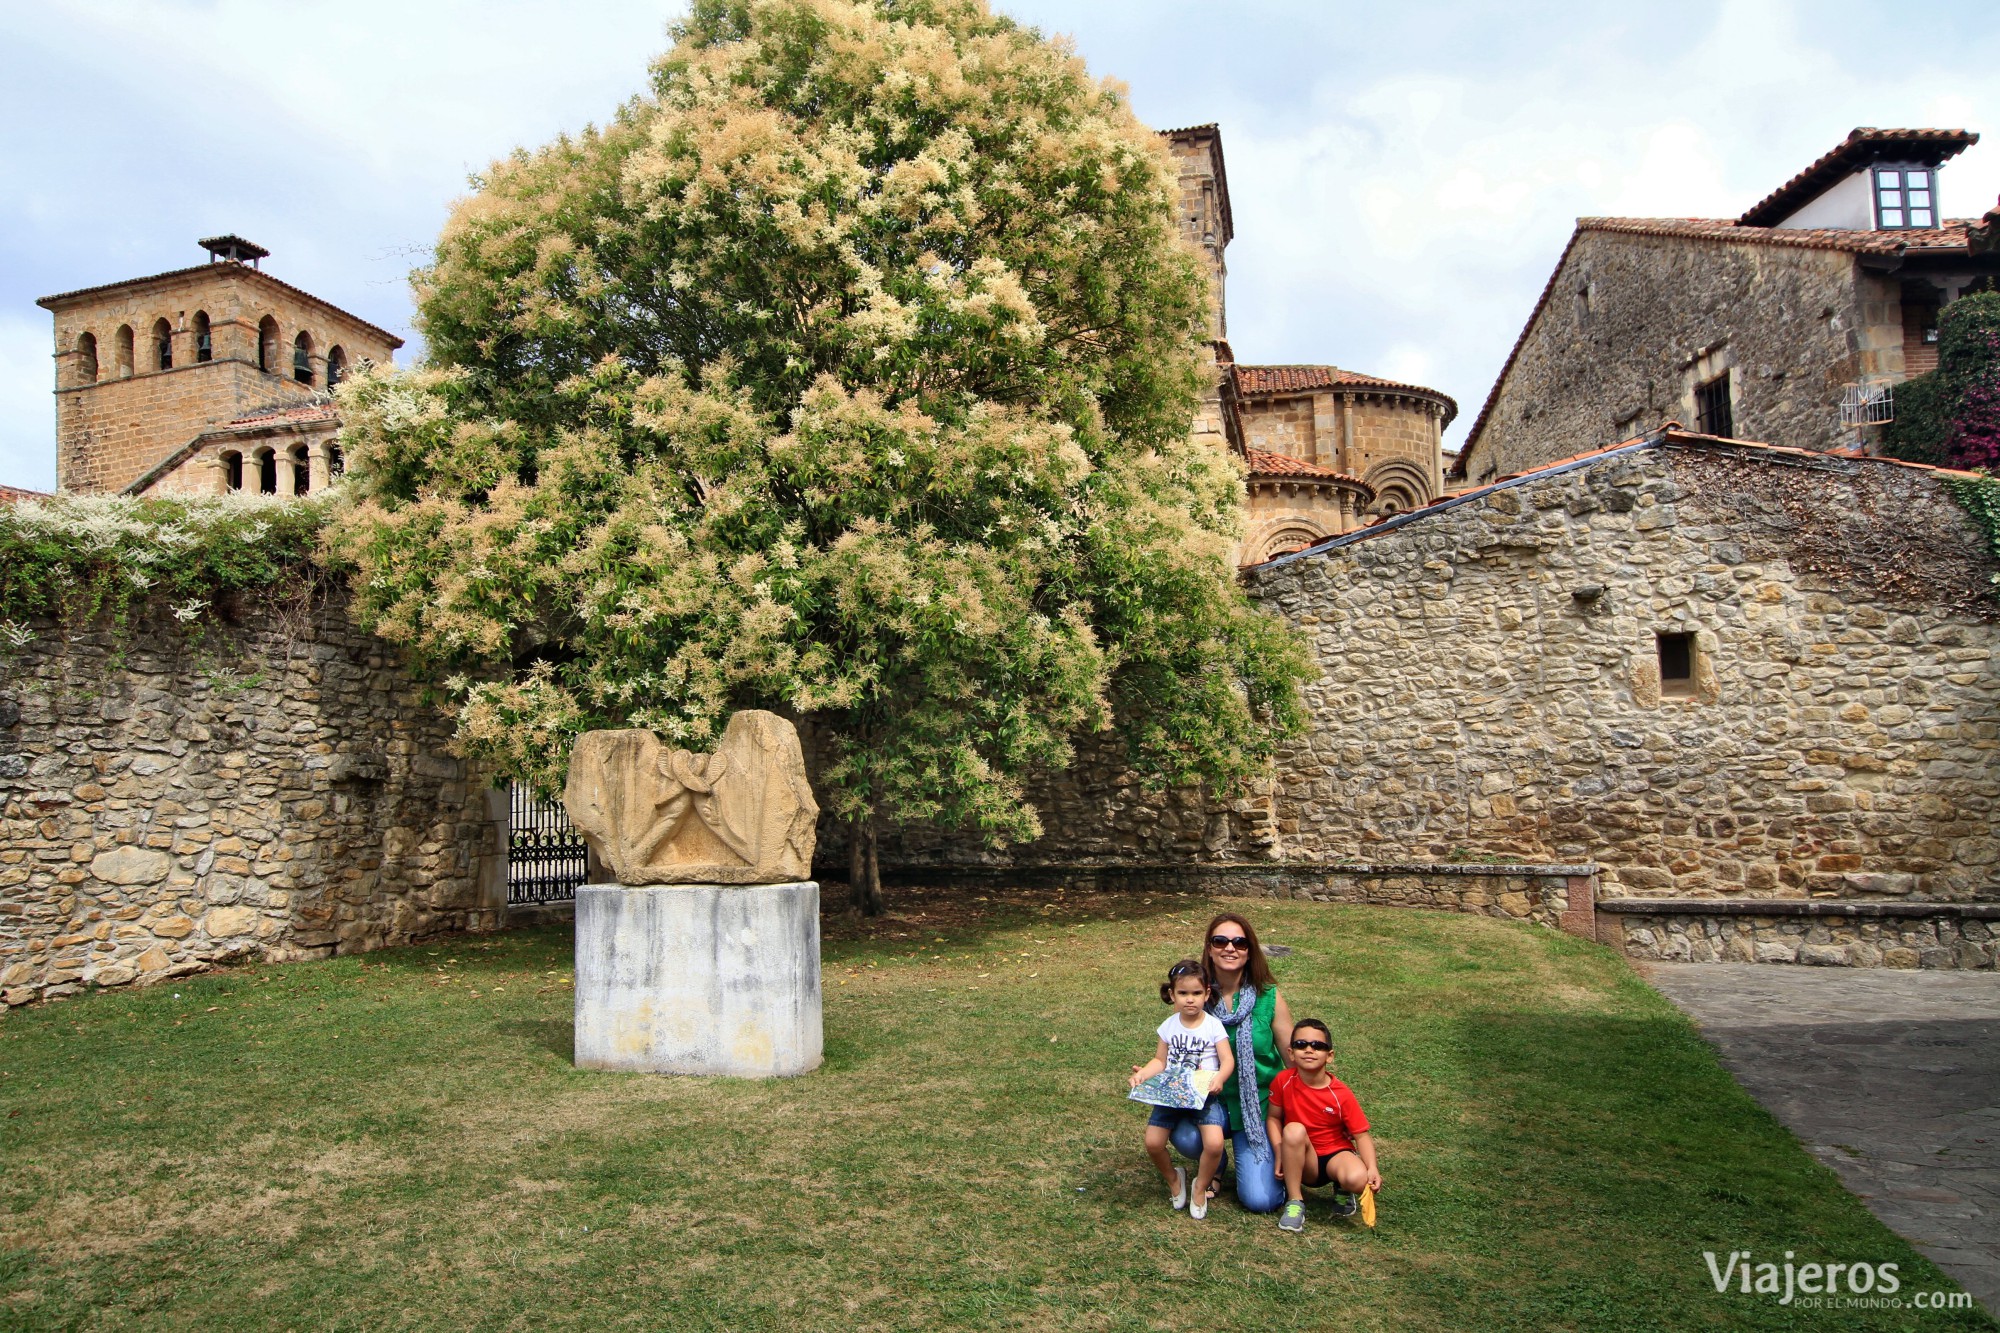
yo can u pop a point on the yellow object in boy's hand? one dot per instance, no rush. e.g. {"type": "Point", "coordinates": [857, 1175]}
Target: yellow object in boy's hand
{"type": "Point", "coordinates": [1367, 1206]}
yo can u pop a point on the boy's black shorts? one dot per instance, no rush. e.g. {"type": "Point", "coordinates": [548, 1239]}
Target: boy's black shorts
{"type": "Point", "coordinates": [1325, 1165]}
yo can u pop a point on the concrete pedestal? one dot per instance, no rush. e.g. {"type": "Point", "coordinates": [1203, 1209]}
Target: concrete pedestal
{"type": "Point", "coordinates": [698, 978]}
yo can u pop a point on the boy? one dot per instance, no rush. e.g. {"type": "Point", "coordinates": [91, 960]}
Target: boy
{"type": "Point", "coordinates": [1318, 1129]}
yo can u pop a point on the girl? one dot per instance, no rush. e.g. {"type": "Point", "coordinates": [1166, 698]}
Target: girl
{"type": "Point", "coordinates": [1190, 1039]}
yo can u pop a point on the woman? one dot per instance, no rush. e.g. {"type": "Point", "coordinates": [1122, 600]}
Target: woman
{"type": "Point", "coordinates": [1260, 1032]}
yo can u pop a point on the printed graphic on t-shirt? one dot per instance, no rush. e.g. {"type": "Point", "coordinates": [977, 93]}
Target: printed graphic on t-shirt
{"type": "Point", "coordinates": [1192, 1047]}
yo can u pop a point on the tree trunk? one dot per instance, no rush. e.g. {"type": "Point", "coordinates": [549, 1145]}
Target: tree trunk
{"type": "Point", "coordinates": [867, 882]}
{"type": "Point", "coordinates": [857, 866]}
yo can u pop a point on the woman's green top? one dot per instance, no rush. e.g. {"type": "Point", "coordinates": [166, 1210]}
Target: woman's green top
{"type": "Point", "coordinates": [1265, 1043]}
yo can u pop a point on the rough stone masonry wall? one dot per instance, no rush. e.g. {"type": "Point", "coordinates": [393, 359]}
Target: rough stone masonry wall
{"type": "Point", "coordinates": [1492, 682]}
{"type": "Point", "coordinates": [1490, 691]}
{"type": "Point", "coordinates": [1612, 352]}
{"type": "Point", "coordinates": [273, 788]}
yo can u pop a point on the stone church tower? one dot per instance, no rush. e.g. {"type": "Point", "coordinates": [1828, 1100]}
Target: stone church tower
{"type": "Point", "coordinates": [203, 380]}
{"type": "Point", "coordinates": [1325, 450]}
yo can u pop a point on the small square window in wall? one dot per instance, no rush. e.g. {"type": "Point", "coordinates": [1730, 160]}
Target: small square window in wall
{"type": "Point", "coordinates": [1676, 665]}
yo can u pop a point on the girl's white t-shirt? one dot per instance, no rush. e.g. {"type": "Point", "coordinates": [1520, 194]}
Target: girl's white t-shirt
{"type": "Point", "coordinates": [1193, 1047]}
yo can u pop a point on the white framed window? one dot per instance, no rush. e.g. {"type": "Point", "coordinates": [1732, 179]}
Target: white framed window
{"type": "Point", "coordinates": [1905, 196]}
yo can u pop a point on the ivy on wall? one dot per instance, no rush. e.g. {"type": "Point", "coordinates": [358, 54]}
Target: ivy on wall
{"type": "Point", "coordinates": [75, 559]}
{"type": "Point", "coordinates": [1951, 417]}
{"type": "Point", "coordinates": [1980, 494]}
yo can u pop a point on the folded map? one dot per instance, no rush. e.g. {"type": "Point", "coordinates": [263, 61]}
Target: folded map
{"type": "Point", "coordinates": [1181, 1089]}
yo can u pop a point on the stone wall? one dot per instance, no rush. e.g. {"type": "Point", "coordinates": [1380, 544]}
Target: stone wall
{"type": "Point", "coordinates": [111, 433]}
{"type": "Point", "coordinates": [1815, 933]}
{"type": "Point", "coordinates": [274, 787]}
{"type": "Point", "coordinates": [1284, 425]}
{"type": "Point", "coordinates": [1491, 688]}
{"type": "Point", "coordinates": [1631, 322]}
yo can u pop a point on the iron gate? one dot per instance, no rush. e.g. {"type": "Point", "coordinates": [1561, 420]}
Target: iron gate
{"type": "Point", "coordinates": [545, 854]}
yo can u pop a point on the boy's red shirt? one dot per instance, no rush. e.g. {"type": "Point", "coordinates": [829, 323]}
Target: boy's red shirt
{"type": "Point", "coordinates": [1331, 1115]}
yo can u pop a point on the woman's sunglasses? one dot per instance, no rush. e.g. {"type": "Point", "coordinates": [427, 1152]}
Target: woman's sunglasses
{"type": "Point", "coordinates": [1306, 1044]}
{"type": "Point", "coordinates": [1230, 941]}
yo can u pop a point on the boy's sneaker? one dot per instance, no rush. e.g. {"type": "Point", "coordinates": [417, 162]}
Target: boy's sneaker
{"type": "Point", "coordinates": [1293, 1218]}
{"type": "Point", "coordinates": [1345, 1205]}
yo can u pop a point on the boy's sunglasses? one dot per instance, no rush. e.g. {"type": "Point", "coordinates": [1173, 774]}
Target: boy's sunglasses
{"type": "Point", "coordinates": [1230, 941]}
{"type": "Point", "coordinates": [1304, 1044]}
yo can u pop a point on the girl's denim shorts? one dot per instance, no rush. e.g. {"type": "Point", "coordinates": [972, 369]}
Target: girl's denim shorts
{"type": "Point", "coordinates": [1214, 1113]}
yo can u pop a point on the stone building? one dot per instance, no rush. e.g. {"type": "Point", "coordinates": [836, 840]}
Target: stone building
{"type": "Point", "coordinates": [1790, 324]}
{"type": "Point", "coordinates": [203, 380]}
{"type": "Point", "coordinates": [1324, 450]}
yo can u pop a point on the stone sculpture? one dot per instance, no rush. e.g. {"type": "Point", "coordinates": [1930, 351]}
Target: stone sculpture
{"type": "Point", "coordinates": [653, 815]}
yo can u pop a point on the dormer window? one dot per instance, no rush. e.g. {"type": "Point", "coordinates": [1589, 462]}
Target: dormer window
{"type": "Point", "coordinates": [1905, 197]}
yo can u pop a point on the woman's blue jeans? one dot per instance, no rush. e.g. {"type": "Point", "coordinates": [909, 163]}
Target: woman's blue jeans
{"type": "Point", "coordinates": [1258, 1188]}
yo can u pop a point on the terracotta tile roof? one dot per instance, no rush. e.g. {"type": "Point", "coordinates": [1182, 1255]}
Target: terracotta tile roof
{"type": "Point", "coordinates": [16, 494]}
{"type": "Point", "coordinates": [281, 414]}
{"type": "Point", "coordinates": [1266, 465]}
{"type": "Point", "coordinates": [1954, 235]}
{"type": "Point", "coordinates": [1669, 435]}
{"type": "Point", "coordinates": [257, 275]}
{"type": "Point", "coordinates": [1859, 149]}
{"type": "Point", "coordinates": [1298, 379]}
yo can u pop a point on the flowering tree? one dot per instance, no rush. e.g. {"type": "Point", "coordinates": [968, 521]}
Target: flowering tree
{"type": "Point", "coordinates": [849, 373]}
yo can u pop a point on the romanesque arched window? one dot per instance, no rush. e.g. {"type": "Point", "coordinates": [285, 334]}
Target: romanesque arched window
{"type": "Point", "coordinates": [204, 337]}
{"type": "Point", "coordinates": [302, 358]}
{"type": "Point", "coordinates": [232, 470]}
{"type": "Point", "coordinates": [1286, 540]}
{"type": "Point", "coordinates": [301, 470]}
{"type": "Point", "coordinates": [124, 349]}
{"type": "Point", "coordinates": [267, 472]}
{"type": "Point", "coordinates": [163, 345]}
{"type": "Point", "coordinates": [336, 367]}
{"type": "Point", "coordinates": [267, 345]}
{"type": "Point", "coordinates": [86, 358]}
{"type": "Point", "coordinates": [336, 461]}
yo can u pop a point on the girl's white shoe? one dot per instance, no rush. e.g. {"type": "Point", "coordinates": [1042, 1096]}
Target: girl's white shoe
{"type": "Point", "coordinates": [1198, 1206]}
{"type": "Point", "coordinates": [1180, 1194]}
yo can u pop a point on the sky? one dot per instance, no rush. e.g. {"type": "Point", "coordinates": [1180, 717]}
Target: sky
{"type": "Point", "coordinates": [1403, 177]}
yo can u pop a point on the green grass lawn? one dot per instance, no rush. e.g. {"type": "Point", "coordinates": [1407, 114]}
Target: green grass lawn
{"type": "Point", "coordinates": [398, 1140]}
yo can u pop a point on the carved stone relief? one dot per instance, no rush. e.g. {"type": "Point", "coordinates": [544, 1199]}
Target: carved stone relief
{"type": "Point", "coordinates": [744, 814]}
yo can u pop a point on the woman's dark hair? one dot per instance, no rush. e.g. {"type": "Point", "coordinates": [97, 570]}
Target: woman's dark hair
{"type": "Point", "coordinates": [1187, 967]}
{"type": "Point", "coordinates": [1314, 1023]}
{"type": "Point", "coordinates": [1257, 969]}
